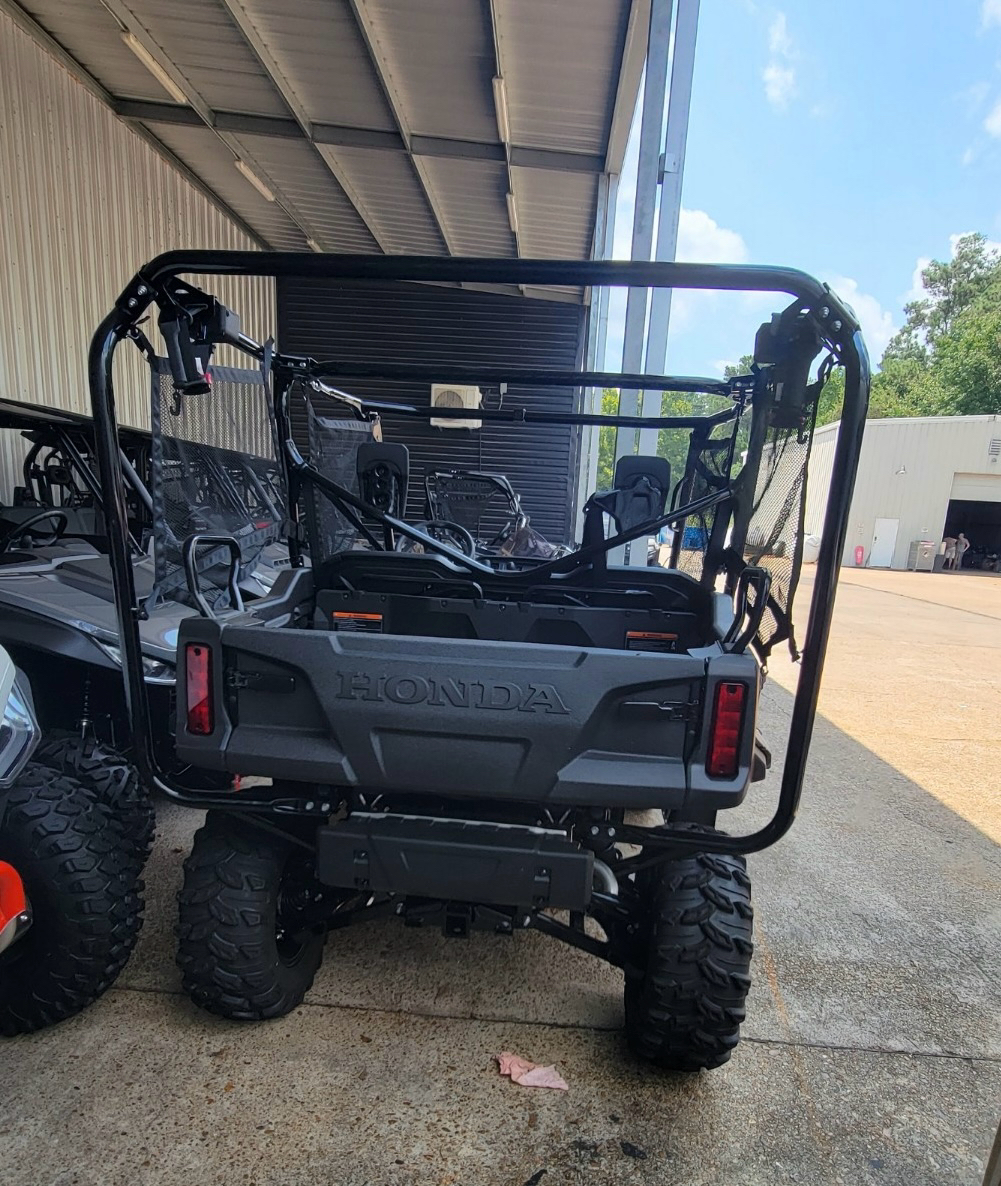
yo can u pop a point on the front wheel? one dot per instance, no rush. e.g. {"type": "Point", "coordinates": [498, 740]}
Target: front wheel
{"type": "Point", "coordinates": [687, 984]}
{"type": "Point", "coordinates": [82, 893]}
{"type": "Point", "coordinates": [246, 950]}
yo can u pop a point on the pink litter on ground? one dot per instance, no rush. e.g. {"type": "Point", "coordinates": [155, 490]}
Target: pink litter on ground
{"type": "Point", "coordinates": [530, 1074]}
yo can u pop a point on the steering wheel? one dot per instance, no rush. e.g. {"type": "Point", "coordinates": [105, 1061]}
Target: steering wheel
{"type": "Point", "coordinates": [440, 529]}
{"type": "Point", "coordinates": [18, 532]}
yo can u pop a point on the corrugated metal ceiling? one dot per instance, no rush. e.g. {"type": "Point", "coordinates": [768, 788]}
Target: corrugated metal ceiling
{"type": "Point", "coordinates": [440, 55]}
{"type": "Point", "coordinates": [374, 121]}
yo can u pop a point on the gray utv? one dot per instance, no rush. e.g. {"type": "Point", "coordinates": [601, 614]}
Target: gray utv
{"type": "Point", "coordinates": [471, 740]}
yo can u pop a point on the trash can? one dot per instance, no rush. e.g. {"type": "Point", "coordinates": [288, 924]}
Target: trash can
{"type": "Point", "coordinates": [921, 555]}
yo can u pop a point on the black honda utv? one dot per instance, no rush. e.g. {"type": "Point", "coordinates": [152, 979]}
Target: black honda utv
{"type": "Point", "coordinates": [468, 740]}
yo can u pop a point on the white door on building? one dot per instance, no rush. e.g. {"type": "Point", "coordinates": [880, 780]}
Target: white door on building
{"type": "Point", "coordinates": [884, 540]}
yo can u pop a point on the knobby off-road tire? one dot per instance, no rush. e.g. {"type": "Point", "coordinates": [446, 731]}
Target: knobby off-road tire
{"type": "Point", "coordinates": [83, 892]}
{"type": "Point", "coordinates": [686, 990]}
{"type": "Point", "coordinates": [112, 778]}
{"type": "Point", "coordinates": [234, 958]}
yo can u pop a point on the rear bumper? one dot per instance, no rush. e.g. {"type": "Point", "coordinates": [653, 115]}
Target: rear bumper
{"type": "Point", "coordinates": [467, 718]}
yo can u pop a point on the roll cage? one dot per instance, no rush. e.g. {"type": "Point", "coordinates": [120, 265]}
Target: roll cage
{"type": "Point", "coordinates": [192, 321]}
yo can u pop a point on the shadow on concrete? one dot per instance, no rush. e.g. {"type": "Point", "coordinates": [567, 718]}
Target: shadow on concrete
{"type": "Point", "coordinates": [872, 1050]}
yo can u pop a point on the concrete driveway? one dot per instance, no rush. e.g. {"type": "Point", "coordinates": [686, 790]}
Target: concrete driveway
{"type": "Point", "coordinates": [872, 1051]}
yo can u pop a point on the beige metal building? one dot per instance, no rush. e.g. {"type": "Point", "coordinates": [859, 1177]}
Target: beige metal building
{"type": "Point", "coordinates": [918, 479]}
{"type": "Point", "coordinates": [129, 127]}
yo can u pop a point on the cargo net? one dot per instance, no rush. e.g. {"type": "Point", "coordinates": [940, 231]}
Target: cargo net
{"type": "Point", "coordinates": [709, 466]}
{"type": "Point", "coordinates": [333, 452]}
{"type": "Point", "coordinates": [213, 471]}
{"type": "Point", "coordinates": [770, 522]}
{"type": "Point", "coordinates": [774, 538]}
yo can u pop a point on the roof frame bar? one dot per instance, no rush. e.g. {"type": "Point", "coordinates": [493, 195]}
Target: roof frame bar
{"type": "Point", "coordinates": [345, 136]}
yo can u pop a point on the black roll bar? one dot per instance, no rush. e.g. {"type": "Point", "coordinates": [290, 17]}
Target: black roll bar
{"type": "Point", "coordinates": [835, 320]}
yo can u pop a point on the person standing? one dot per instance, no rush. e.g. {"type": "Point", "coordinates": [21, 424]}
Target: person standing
{"type": "Point", "coordinates": [949, 552]}
{"type": "Point", "coordinates": [962, 543]}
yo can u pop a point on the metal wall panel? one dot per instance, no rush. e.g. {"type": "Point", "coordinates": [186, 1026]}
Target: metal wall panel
{"type": "Point", "coordinates": [209, 51]}
{"type": "Point", "coordinates": [906, 472]}
{"type": "Point", "coordinates": [84, 202]}
{"type": "Point", "coordinates": [556, 213]}
{"type": "Point", "coordinates": [386, 184]}
{"type": "Point", "coordinates": [427, 323]}
{"type": "Point", "coordinates": [322, 54]}
{"type": "Point", "coordinates": [473, 198]}
{"type": "Point", "coordinates": [204, 154]}
{"type": "Point", "coordinates": [545, 52]}
{"type": "Point", "coordinates": [440, 56]}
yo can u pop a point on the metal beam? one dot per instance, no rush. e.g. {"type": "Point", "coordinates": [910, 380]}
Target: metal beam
{"type": "Point", "coordinates": [27, 24]}
{"type": "Point", "coordinates": [552, 160]}
{"type": "Point", "coordinates": [502, 120]}
{"type": "Point", "coordinates": [647, 170]}
{"type": "Point", "coordinates": [634, 53]}
{"type": "Point", "coordinates": [686, 27]}
{"type": "Point", "coordinates": [130, 21]}
{"type": "Point", "coordinates": [272, 68]}
{"type": "Point", "coordinates": [396, 105]}
{"type": "Point", "coordinates": [597, 336]}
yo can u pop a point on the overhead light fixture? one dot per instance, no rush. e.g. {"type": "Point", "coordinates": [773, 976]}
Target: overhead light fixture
{"type": "Point", "coordinates": [512, 214]}
{"type": "Point", "coordinates": [264, 190]}
{"type": "Point", "coordinates": [154, 67]}
{"type": "Point", "coordinates": [500, 107]}
{"type": "Point", "coordinates": [902, 470]}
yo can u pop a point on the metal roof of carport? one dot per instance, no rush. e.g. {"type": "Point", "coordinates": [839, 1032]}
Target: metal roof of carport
{"type": "Point", "coordinates": [376, 124]}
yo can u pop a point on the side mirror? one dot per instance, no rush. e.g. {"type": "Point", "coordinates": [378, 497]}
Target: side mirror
{"type": "Point", "coordinates": [383, 476]}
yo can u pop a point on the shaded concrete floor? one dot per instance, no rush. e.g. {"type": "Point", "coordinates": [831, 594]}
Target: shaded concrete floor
{"type": "Point", "coordinates": [872, 1051]}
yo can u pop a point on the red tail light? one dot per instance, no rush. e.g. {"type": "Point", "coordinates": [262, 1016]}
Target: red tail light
{"type": "Point", "coordinates": [724, 740]}
{"type": "Point", "coordinates": [198, 667]}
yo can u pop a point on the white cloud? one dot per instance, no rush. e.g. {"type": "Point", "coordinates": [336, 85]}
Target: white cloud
{"type": "Point", "coordinates": [974, 96]}
{"type": "Point", "coordinates": [968, 157]}
{"type": "Point", "coordinates": [992, 245]}
{"type": "Point", "coordinates": [877, 322]}
{"type": "Point", "coordinates": [779, 41]}
{"type": "Point", "coordinates": [779, 75]}
{"type": "Point", "coordinates": [780, 84]}
{"type": "Point", "coordinates": [992, 124]}
{"type": "Point", "coordinates": [702, 240]}
{"type": "Point", "coordinates": [916, 292]}
{"type": "Point", "coordinates": [990, 13]}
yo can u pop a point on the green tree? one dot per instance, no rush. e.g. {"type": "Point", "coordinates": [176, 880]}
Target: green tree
{"type": "Point", "coordinates": [952, 288]}
{"type": "Point", "coordinates": [946, 360]}
{"type": "Point", "coordinates": [606, 439]}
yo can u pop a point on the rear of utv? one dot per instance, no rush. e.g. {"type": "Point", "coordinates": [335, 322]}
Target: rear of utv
{"type": "Point", "coordinates": [442, 729]}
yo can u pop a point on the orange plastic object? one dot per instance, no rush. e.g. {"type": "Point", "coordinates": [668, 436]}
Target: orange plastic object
{"type": "Point", "coordinates": [12, 899]}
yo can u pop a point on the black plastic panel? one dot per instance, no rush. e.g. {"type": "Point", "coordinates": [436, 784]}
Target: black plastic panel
{"type": "Point", "coordinates": [454, 860]}
{"type": "Point", "coordinates": [563, 625]}
{"type": "Point", "coordinates": [470, 719]}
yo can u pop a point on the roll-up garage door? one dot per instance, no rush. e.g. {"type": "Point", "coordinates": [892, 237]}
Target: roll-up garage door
{"type": "Point", "coordinates": [373, 321]}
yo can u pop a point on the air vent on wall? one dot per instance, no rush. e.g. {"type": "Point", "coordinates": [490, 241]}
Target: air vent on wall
{"type": "Point", "coordinates": [448, 395]}
{"type": "Point", "coordinates": [994, 448]}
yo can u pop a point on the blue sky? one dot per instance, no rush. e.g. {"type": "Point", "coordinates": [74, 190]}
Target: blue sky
{"type": "Point", "coordinates": [853, 141]}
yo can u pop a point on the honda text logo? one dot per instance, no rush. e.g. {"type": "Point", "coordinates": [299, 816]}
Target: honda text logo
{"type": "Point", "coordinates": [450, 693]}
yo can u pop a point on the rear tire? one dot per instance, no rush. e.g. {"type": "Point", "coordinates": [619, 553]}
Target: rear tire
{"type": "Point", "coordinates": [240, 953]}
{"type": "Point", "coordinates": [112, 778]}
{"type": "Point", "coordinates": [83, 893]}
{"type": "Point", "coordinates": [685, 993]}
